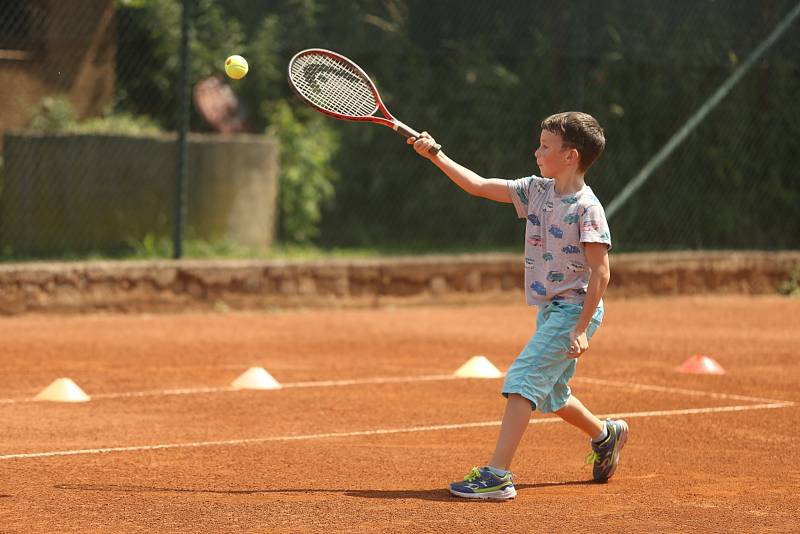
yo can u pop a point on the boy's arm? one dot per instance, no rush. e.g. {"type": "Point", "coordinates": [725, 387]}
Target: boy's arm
{"type": "Point", "coordinates": [474, 184]}
{"type": "Point", "coordinates": [597, 259]}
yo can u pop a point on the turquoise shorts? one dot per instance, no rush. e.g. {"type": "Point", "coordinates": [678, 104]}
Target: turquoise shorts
{"type": "Point", "coordinates": [541, 371]}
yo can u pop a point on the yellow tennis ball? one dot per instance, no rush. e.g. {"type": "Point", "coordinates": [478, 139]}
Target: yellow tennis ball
{"type": "Point", "coordinates": [236, 67]}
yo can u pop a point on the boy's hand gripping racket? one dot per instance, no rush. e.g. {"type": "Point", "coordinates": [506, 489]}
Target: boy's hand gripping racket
{"type": "Point", "coordinates": [335, 86]}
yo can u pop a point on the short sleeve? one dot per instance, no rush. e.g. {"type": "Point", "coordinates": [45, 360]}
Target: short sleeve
{"type": "Point", "coordinates": [594, 226]}
{"type": "Point", "coordinates": [520, 193]}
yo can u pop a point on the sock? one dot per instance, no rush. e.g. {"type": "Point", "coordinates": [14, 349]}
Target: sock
{"type": "Point", "coordinates": [496, 471]}
{"type": "Point", "coordinates": [603, 435]}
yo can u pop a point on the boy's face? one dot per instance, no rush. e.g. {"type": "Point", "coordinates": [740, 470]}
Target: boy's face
{"type": "Point", "coordinates": [552, 157]}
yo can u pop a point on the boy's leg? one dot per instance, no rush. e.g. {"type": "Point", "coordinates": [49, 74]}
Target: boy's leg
{"type": "Point", "coordinates": [576, 414]}
{"type": "Point", "coordinates": [515, 420]}
{"type": "Point", "coordinates": [608, 437]}
{"type": "Point", "coordinates": [486, 483]}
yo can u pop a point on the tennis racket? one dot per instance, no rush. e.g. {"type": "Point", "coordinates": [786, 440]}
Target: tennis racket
{"type": "Point", "coordinates": [335, 86]}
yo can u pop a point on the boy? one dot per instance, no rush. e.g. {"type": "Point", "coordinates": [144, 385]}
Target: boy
{"type": "Point", "coordinates": [566, 274]}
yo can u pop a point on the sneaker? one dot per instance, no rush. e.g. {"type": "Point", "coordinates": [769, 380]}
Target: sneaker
{"type": "Point", "coordinates": [481, 483]}
{"type": "Point", "coordinates": [605, 455]}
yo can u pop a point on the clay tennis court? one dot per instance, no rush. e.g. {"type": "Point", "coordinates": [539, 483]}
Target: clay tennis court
{"type": "Point", "coordinates": [370, 427]}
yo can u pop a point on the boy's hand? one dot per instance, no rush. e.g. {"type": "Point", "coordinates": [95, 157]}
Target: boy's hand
{"type": "Point", "coordinates": [423, 144]}
{"type": "Point", "coordinates": [578, 343]}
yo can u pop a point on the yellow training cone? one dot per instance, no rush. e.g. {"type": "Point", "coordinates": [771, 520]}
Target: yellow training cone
{"type": "Point", "coordinates": [62, 390]}
{"type": "Point", "coordinates": [478, 367]}
{"type": "Point", "coordinates": [256, 378]}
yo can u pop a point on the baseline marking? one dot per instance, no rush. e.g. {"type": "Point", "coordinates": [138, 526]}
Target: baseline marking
{"type": "Point", "coordinates": [286, 385]}
{"type": "Point", "coordinates": [666, 389]}
{"type": "Point", "coordinates": [407, 379]}
{"type": "Point", "coordinates": [379, 432]}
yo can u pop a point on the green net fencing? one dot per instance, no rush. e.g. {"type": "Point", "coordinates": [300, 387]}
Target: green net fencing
{"type": "Point", "coordinates": [90, 99]}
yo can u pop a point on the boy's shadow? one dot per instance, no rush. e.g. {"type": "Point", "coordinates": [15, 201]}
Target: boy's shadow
{"type": "Point", "coordinates": [444, 495]}
{"type": "Point", "coordinates": [438, 494]}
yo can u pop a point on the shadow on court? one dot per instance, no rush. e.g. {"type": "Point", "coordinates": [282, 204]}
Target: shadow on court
{"type": "Point", "coordinates": [438, 494]}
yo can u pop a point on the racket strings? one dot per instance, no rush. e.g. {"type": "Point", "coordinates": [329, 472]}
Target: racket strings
{"type": "Point", "coordinates": [333, 85]}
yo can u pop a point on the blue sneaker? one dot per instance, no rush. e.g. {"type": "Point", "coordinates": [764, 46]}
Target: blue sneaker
{"type": "Point", "coordinates": [481, 483]}
{"type": "Point", "coordinates": [605, 455]}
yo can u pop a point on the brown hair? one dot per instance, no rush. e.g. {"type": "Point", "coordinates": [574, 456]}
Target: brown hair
{"type": "Point", "coordinates": [580, 131]}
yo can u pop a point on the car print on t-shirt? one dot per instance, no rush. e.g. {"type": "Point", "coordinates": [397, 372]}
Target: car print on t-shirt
{"type": "Point", "coordinates": [575, 267]}
{"type": "Point", "coordinates": [535, 240]}
{"type": "Point", "coordinates": [538, 287]}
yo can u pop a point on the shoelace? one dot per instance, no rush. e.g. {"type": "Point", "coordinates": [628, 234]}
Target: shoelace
{"type": "Point", "coordinates": [475, 473]}
{"type": "Point", "coordinates": [591, 458]}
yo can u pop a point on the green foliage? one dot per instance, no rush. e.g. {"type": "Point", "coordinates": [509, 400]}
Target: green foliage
{"type": "Point", "coordinates": [480, 78]}
{"type": "Point", "coordinates": [53, 114]}
{"type": "Point", "coordinates": [308, 144]}
{"type": "Point", "coordinates": [121, 123]}
{"type": "Point", "coordinates": [791, 287]}
{"type": "Point", "coordinates": [56, 114]}
{"type": "Point", "coordinates": [148, 54]}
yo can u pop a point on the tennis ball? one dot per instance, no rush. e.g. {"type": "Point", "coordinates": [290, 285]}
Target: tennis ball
{"type": "Point", "coordinates": [236, 67]}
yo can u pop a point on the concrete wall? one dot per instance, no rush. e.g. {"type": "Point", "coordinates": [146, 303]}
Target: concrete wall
{"type": "Point", "coordinates": [73, 192]}
{"type": "Point", "coordinates": [75, 57]}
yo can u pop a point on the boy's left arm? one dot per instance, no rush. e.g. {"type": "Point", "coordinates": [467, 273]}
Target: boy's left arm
{"type": "Point", "coordinates": [597, 259]}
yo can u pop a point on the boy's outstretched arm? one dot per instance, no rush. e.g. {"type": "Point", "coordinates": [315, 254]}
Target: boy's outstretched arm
{"type": "Point", "coordinates": [597, 259]}
{"type": "Point", "coordinates": [474, 184]}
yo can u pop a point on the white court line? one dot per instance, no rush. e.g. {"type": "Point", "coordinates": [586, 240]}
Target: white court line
{"type": "Point", "coordinates": [666, 389]}
{"type": "Point", "coordinates": [285, 385]}
{"type": "Point", "coordinates": [378, 432]}
{"type": "Point", "coordinates": [407, 379]}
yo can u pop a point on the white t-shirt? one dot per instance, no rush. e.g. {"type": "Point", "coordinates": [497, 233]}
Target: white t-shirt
{"type": "Point", "coordinates": [557, 228]}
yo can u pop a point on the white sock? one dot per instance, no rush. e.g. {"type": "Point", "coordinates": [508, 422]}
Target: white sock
{"type": "Point", "coordinates": [496, 471]}
{"type": "Point", "coordinates": [603, 435]}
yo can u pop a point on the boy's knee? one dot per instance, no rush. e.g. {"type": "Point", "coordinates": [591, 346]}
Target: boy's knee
{"type": "Point", "coordinates": [517, 399]}
{"type": "Point", "coordinates": [562, 410]}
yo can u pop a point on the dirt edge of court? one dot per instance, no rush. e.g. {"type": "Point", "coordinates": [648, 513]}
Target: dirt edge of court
{"type": "Point", "coordinates": [221, 285]}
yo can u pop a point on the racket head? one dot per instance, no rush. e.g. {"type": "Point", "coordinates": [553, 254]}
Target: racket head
{"type": "Point", "coordinates": [335, 86]}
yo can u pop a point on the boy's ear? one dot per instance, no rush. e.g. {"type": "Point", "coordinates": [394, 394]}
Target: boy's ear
{"type": "Point", "coordinates": [573, 156]}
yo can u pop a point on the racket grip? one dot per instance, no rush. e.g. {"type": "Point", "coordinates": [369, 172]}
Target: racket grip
{"type": "Point", "coordinates": [407, 132]}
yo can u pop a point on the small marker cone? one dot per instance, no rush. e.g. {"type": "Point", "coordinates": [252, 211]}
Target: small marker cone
{"type": "Point", "coordinates": [701, 365]}
{"type": "Point", "coordinates": [62, 390]}
{"type": "Point", "coordinates": [478, 367]}
{"type": "Point", "coordinates": [255, 378]}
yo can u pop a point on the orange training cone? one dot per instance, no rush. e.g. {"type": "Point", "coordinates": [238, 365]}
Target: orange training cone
{"type": "Point", "coordinates": [701, 365]}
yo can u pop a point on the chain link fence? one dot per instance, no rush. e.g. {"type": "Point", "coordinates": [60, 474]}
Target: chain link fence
{"type": "Point", "coordinates": [90, 99]}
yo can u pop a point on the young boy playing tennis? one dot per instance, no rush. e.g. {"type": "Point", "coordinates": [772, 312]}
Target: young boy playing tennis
{"type": "Point", "coordinates": [566, 274]}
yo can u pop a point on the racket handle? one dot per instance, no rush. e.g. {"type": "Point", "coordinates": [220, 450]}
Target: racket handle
{"type": "Point", "coordinates": [407, 132]}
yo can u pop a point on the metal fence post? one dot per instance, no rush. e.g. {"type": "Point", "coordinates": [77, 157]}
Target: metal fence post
{"type": "Point", "coordinates": [182, 127]}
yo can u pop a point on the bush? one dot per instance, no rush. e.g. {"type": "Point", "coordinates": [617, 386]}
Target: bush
{"type": "Point", "coordinates": [56, 114]}
{"type": "Point", "coordinates": [308, 146]}
{"type": "Point", "coordinates": [791, 287]}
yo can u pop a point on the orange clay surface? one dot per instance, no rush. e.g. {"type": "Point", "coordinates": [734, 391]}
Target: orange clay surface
{"type": "Point", "coordinates": [706, 453]}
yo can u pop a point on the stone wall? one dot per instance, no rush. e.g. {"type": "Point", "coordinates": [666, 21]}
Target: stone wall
{"type": "Point", "coordinates": [157, 286]}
